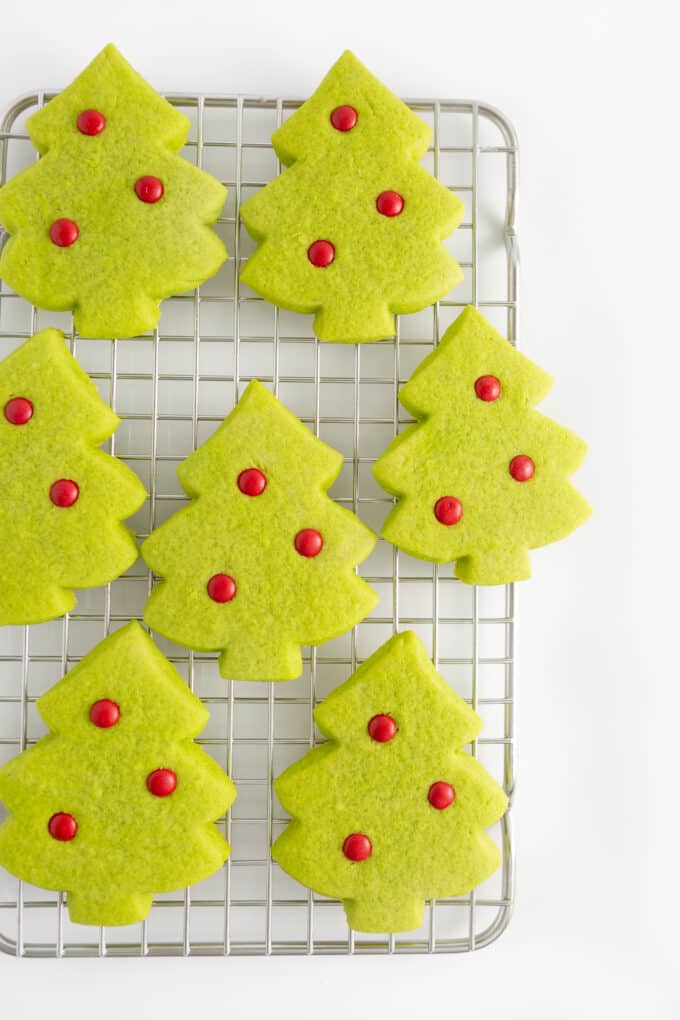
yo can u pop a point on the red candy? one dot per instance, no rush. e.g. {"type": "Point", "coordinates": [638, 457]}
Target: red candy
{"type": "Point", "coordinates": [522, 468]}
{"type": "Point", "coordinates": [62, 827]}
{"type": "Point", "coordinates": [343, 118]}
{"type": "Point", "coordinates": [104, 714]}
{"type": "Point", "coordinates": [162, 782]}
{"type": "Point", "coordinates": [389, 203]}
{"type": "Point", "coordinates": [448, 510]}
{"type": "Point", "coordinates": [64, 233]}
{"type": "Point", "coordinates": [91, 122]}
{"type": "Point", "coordinates": [308, 542]}
{"type": "Point", "coordinates": [221, 588]}
{"type": "Point", "coordinates": [357, 847]}
{"type": "Point", "coordinates": [382, 728]}
{"type": "Point", "coordinates": [149, 189]}
{"type": "Point", "coordinates": [321, 254]}
{"type": "Point", "coordinates": [18, 411]}
{"type": "Point", "coordinates": [252, 482]}
{"type": "Point", "coordinates": [64, 492]}
{"type": "Point", "coordinates": [488, 388]}
{"type": "Point", "coordinates": [441, 795]}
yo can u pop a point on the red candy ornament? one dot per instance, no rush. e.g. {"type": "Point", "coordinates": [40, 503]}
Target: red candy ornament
{"type": "Point", "coordinates": [252, 482]}
{"type": "Point", "coordinates": [62, 827]}
{"type": "Point", "coordinates": [91, 122]}
{"type": "Point", "coordinates": [357, 847]}
{"type": "Point", "coordinates": [382, 728]}
{"type": "Point", "coordinates": [162, 782]}
{"type": "Point", "coordinates": [389, 203]}
{"type": "Point", "coordinates": [344, 118]}
{"type": "Point", "coordinates": [522, 468]}
{"type": "Point", "coordinates": [64, 233]}
{"type": "Point", "coordinates": [18, 411]}
{"type": "Point", "coordinates": [221, 588]}
{"type": "Point", "coordinates": [104, 714]}
{"type": "Point", "coordinates": [64, 492]}
{"type": "Point", "coordinates": [321, 254]}
{"type": "Point", "coordinates": [308, 542]}
{"type": "Point", "coordinates": [441, 795]}
{"type": "Point", "coordinates": [488, 388]}
{"type": "Point", "coordinates": [448, 510]}
{"type": "Point", "coordinates": [149, 189]}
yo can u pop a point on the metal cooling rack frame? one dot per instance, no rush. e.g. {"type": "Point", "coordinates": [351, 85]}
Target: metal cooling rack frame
{"type": "Point", "coordinates": [171, 389]}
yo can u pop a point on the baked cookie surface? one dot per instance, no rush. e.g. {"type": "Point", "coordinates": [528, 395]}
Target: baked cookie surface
{"type": "Point", "coordinates": [482, 477]}
{"type": "Point", "coordinates": [111, 219]}
{"type": "Point", "coordinates": [352, 231]}
{"type": "Point", "coordinates": [390, 811]}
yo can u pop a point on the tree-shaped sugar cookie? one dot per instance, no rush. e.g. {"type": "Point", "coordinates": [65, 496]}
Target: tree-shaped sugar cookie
{"type": "Point", "coordinates": [390, 812]}
{"type": "Point", "coordinates": [117, 802]}
{"type": "Point", "coordinates": [262, 561]}
{"type": "Point", "coordinates": [482, 478]}
{"type": "Point", "coordinates": [62, 500]}
{"type": "Point", "coordinates": [110, 220]}
{"type": "Point", "coordinates": [353, 230]}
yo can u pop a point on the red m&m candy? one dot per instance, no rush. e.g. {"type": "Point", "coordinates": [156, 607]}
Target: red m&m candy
{"type": "Point", "coordinates": [221, 588]}
{"type": "Point", "coordinates": [149, 189]}
{"type": "Point", "coordinates": [441, 795]}
{"type": "Point", "coordinates": [448, 510]}
{"type": "Point", "coordinates": [104, 713]}
{"type": "Point", "coordinates": [91, 122]}
{"type": "Point", "coordinates": [357, 847]}
{"type": "Point", "coordinates": [389, 203]}
{"type": "Point", "coordinates": [522, 468]}
{"type": "Point", "coordinates": [161, 782]}
{"type": "Point", "coordinates": [62, 827]}
{"type": "Point", "coordinates": [64, 233]}
{"type": "Point", "coordinates": [488, 388]}
{"type": "Point", "coordinates": [252, 482]}
{"type": "Point", "coordinates": [64, 492]}
{"type": "Point", "coordinates": [18, 411]}
{"type": "Point", "coordinates": [308, 542]}
{"type": "Point", "coordinates": [321, 254]}
{"type": "Point", "coordinates": [343, 118]}
{"type": "Point", "coordinates": [382, 728]}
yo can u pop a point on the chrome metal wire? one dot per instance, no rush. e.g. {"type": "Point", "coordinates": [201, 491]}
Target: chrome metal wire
{"type": "Point", "coordinates": [171, 389]}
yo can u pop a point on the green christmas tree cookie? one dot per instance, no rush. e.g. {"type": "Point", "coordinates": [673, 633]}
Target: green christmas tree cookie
{"type": "Point", "coordinates": [61, 499]}
{"type": "Point", "coordinates": [110, 220]}
{"type": "Point", "coordinates": [353, 230]}
{"type": "Point", "coordinates": [482, 477]}
{"type": "Point", "coordinates": [117, 802]}
{"type": "Point", "coordinates": [390, 812]}
{"type": "Point", "coordinates": [262, 560]}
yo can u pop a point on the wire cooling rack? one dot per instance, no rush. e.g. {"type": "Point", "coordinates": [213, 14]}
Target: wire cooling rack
{"type": "Point", "coordinates": [172, 388]}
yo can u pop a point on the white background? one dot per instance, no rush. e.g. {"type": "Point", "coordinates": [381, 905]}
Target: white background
{"type": "Point", "coordinates": [587, 86]}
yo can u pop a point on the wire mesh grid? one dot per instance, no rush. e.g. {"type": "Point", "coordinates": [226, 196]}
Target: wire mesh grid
{"type": "Point", "coordinates": [171, 389]}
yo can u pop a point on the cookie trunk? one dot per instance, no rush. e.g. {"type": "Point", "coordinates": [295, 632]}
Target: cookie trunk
{"type": "Point", "coordinates": [502, 567]}
{"type": "Point", "coordinates": [396, 915]}
{"type": "Point", "coordinates": [90, 908]}
{"type": "Point", "coordinates": [348, 321]}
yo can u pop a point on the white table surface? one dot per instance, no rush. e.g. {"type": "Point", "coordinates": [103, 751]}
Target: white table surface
{"type": "Point", "coordinates": [585, 83]}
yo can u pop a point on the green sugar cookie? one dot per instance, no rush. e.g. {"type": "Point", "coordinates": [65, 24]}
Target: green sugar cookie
{"type": "Point", "coordinates": [390, 812]}
{"type": "Point", "coordinates": [62, 500]}
{"type": "Point", "coordinates": [482, 477]}
{"type": "Point", "coordinates": [111, 220]}
{"type": "Point", "coordinates": [352, 231]}
{"type": "Point", "coordinates": [117, 802]}
{"type": "Point", "coordinates": [262, 561]}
